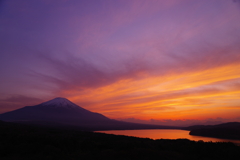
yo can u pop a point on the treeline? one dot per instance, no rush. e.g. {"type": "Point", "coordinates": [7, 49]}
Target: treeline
{"type": "Point", "coordinates": [22, 142]}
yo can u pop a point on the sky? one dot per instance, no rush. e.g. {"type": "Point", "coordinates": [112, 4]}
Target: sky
{"type": "Point", "coordinates": [135, 60]}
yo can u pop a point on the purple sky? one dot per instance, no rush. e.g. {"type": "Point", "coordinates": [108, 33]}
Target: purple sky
{"type": "Point", "coordinates": [161, 59]}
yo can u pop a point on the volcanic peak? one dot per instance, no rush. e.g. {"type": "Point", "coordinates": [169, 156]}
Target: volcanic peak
{"type": "Point", "coordinates": [60, 102]}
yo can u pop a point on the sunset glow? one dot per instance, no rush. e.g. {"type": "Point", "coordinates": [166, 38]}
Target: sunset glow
{"type": "Point", "coordinates": [195, 94]}
{"type": "Point", "coordinates": [161, 60]}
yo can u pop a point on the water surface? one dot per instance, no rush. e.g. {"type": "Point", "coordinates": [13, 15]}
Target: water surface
{"type": "Point", "coordinates": [166, 134]}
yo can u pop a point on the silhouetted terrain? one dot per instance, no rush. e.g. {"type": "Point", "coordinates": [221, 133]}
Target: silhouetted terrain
{"type": "Point", "coordinates": [23, 142]}
{"type": "Point", "coordinates": [62, 112]}
{"type": "Point", "coordinates": [229, 130]}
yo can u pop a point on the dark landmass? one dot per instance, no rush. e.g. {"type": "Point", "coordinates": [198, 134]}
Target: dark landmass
{"type": "Point", "coordinates": [229, 130]}
{"type": "Point", "coordinates": [110, 125]}
{"type": "Point", "coordinates": [24, 142]}
{"type": "Point", "coordinates": [62, 112]}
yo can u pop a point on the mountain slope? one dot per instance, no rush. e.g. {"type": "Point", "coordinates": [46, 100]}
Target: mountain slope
{"type": "Point", "coordinates": [57, 110]}
{"type": "Point", "coordinates": [60, 111]}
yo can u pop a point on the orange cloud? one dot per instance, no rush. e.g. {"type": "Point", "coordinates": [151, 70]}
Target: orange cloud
{"type": "Point", "coordinates": [195, 94]}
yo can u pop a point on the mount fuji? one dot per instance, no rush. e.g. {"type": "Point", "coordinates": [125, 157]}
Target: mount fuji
{"type": "Point", "coordinates": [58, 110]}
{"type": "Point", "coordinates": [61, 111]}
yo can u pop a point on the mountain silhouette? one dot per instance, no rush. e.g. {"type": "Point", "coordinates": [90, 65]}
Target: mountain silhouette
{"type": "Point", "coordinates": [61, 111]}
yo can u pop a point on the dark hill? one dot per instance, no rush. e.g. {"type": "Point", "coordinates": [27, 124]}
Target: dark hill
{"type": "Point", "coordinates": [24, 142]}
{"type": "Point", "coordinates": [229, 130]}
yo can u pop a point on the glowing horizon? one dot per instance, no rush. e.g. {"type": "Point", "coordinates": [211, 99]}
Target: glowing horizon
{"type": "Point", "coordinates": [189, 90]}
{"type": "Point", "coordinates": [161, 60]}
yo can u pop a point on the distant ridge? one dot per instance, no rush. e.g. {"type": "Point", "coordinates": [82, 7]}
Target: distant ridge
{"type": "Point", "coordinates": [230, 130]}
{"type": "Point", "coordinates": [62, 112]}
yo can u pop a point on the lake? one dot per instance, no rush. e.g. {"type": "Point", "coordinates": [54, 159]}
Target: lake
{"type": "Point", "coordinates": [166, 134]}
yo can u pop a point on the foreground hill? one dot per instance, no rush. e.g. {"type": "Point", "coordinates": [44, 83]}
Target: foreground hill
{"type": "Point", "coordinates": [24, 142]}
{"type": "Point", "coordinates": [229, 130]}
{"type": "Point", "coordinates": [62, 112]}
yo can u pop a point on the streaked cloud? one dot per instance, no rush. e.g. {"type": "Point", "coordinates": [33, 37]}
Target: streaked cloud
{"type": "Point", "coordinates": [175, 59]}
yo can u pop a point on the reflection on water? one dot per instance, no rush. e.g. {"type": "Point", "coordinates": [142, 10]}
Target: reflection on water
{"type": "Point", "coordinates": [166, 134]}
